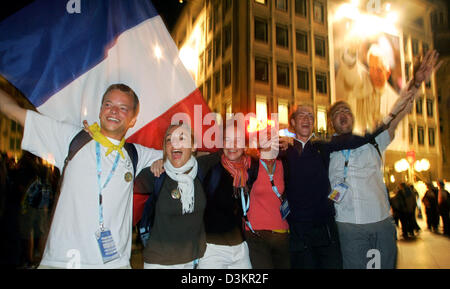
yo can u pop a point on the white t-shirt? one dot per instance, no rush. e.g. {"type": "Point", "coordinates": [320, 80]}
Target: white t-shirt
{"type": "Point", "coordinates": [76, 219]}
{"type": "Point", "coordinates": [367, 201]}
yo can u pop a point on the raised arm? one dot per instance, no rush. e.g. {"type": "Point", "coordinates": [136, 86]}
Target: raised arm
{"type": "Point", "coordinates": [422, 72]}
{"type": "Point", "coordinates": [10, 108]}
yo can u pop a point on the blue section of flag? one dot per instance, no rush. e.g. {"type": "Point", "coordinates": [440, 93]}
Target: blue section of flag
{"type": "Point", "coordinates": [43, 47]}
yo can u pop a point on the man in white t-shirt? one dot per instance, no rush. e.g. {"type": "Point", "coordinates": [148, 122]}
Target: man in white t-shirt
{"type": "Point", "coordinates": [92, 226]}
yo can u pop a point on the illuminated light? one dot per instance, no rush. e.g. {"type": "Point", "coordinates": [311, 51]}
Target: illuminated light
{"type": "Point", "coordinates": [252, 125]}
{"type": "Point", "coordinates": [50, 159]}
{"type": "Point", "coordinates": [255, 124]}
{"type": "Point", "coordinates": [157, 51]}
{"type": "Point", "coordinates": [366, 25]}
{"type": "Point", "coordinates": [388, 7]}
{"type": "Point", "coordinates": [392, 17]}
{"type": "Point", "coordinates": [401, 165]}
{"type": "Point", "coordinates": [422, 165]}
{"type": "Point", "coordinates": [189, 58]}
{"type": "Point", "coordinates": [392, 178]}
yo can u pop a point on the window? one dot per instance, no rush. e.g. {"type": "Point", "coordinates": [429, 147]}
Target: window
{"type": "Point", "coordinates": [18, 144]}
{"type": "Point", "coordinates": [321, 83]}
{"type": "Point", "coordinates": [227, 5]}
{"type": "Point", "coordinates": [209, 23]}
{"type": "Point", "coordinates": [415, 46]}
{"type": "Point", "coordinates": [217, 82]}
{"type": "Point", "coordinates": [12, 141]}
{"type": "Point", "coordinates": [320, 46]}
{"type": "Point", "coordinates": [300, 7]}
{"type": "Point", "coordinates": [419, 104]}
{"type": "Point", "coordinates": [226, 74]}
{"type": "Point", "coordinates": [281, 5]}
{"type": "Point", "coordinates": [226, 37]}
{"type": "Point", "coordinates": [301, 40]}
{"type": "Point", "coordinates": [431, 136]}
{"type": "Point", "coordinates": [318, 11]}
{"type": "Point", "coordinates": [283, 74]}
{"type": "Point", "coordinates": [261, 2]}
{"type": "Point", "coordinates": [262, 70]}
{"type": "Point", "coordinates": [208, 89]}
{"type": "Point", "coordinates": [429, 107]}
{"type": "Point", "coordinates": [261, 30]}
{"type": "Point", "coordinates": [321, 119]}
{"type": "Point", "coordinates": [407, 70]}
{"type": "Point", "coordinates": [420, 136]}
{"type": "Point", "coordinates": [283, 111]}
{"type": "Point", "coordinates": [282, 36]}
{"type": "Point", "coordinates": [411, 133]}
{"type": "Point", "coordinates": [217, 46]}
{"type": "Point", "coordinates": [209, 55]}
{"type": "Point", "coordinates": [216, 13]}
{"type": "Point", "coordinates": [261, 107]}
{"type": "Point", "coordinates": [425, 48]}
{"type": "Point", "coordinates": [302, 78]}
{"type": "Point", "coordinates": [200, 65]}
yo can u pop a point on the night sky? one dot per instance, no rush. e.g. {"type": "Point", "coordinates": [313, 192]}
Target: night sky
{"type": "Point", "coordinates": [168, 9]}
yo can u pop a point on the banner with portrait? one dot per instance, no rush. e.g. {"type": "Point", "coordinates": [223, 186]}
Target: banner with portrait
{"type": "Point", "coordinates": [367, 66]}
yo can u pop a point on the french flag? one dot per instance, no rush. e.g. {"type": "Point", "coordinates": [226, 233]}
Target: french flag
{"type": "Point", "coordinates": [62, 55]}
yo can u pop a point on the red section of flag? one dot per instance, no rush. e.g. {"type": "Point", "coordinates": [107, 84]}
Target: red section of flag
{"type": "Point", "coordinates": [151, 135]}
{"type": "Point", "coordinates": [138, 206]}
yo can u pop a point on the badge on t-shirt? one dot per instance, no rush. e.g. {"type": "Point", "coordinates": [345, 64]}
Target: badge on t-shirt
{"type": "Point", "coordinates": [338, 192]}
{"type": "Point", "coordinates": [284, 209]}
{"type": "Point", "coordinates": [106, 245]}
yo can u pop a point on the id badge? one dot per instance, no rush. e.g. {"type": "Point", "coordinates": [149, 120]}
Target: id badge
{"type": "Point", "coordinates": [284, 209]}
{"type": "Point", "coordinates": [106, 245]}
{"type": "Point", "coordinates": [338, 192]}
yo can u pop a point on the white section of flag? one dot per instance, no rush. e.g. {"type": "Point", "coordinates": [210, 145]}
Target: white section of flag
{"type": "Point", "coordinates": [144, 58]}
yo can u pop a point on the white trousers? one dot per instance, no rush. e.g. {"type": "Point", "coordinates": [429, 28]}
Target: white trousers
{"type": "Point", "coordinates": [225, 257]}
{"type": "Point", "coordinates": [188, 265]}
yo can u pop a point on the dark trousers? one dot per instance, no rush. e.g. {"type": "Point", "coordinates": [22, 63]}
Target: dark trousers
{"type": "Point", "coordinates": [444, 212]}
{"type": "Point", "coordinates": [432, 218]}
{"type": "Point", "coordinates": [268, 250]}
{"type": "Point", "coordinates": [314, 246]}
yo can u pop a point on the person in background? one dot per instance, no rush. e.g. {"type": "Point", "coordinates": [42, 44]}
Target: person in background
{"type": "Point", "coordinates": [444, 207]}
{"type": "Point", "coordinates": [430, 201]}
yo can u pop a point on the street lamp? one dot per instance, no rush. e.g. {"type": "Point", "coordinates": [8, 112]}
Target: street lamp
{"type": "Point", "coordinates": [418, 166]}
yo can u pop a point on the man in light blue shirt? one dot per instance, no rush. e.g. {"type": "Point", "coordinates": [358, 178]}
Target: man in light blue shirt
{"type": "Point", "coordinates": [366, 229]}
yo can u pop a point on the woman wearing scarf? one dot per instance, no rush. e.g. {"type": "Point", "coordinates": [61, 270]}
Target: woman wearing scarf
{"type": "Point", "coordinates": [177, 239]}
{"type": "Point", "coordinates": [226, 247]}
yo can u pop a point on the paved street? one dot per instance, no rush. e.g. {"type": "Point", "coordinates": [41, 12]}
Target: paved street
{"type": "Point", "coordinates": [426, 251]}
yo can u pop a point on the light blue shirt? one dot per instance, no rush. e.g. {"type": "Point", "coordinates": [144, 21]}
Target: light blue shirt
{"type": "Point", "coordinates": [366, 201]}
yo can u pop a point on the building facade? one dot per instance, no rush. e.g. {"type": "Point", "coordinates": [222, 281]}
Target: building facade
{"type": "Point", "coordinates": [267, 56]}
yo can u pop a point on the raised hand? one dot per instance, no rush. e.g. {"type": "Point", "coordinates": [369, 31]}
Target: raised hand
{"type": "Point", "coordinates": [424, 68]}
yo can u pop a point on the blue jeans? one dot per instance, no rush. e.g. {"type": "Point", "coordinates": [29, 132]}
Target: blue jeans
{"type": "Point", "coordinates": [366, 246]}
